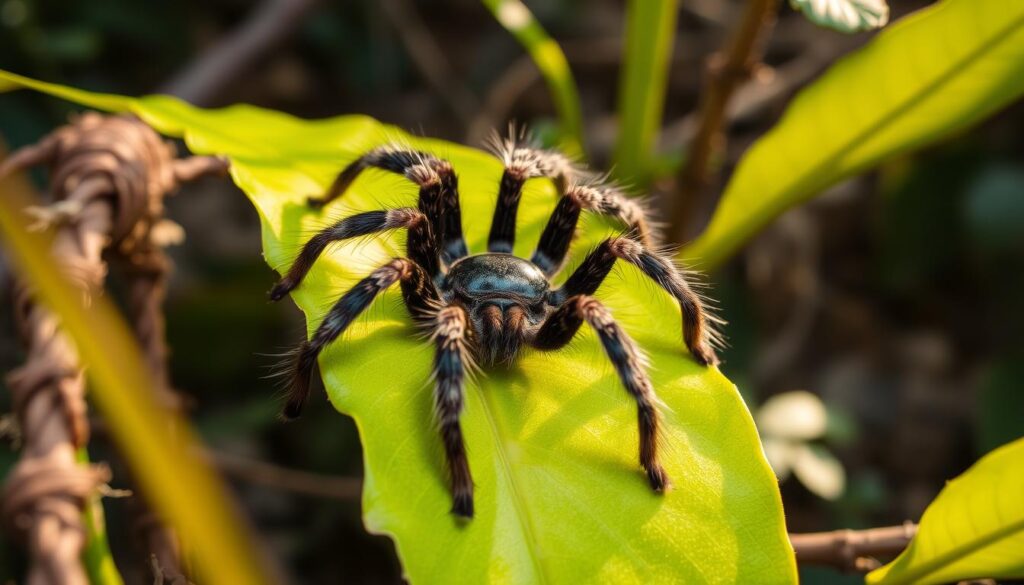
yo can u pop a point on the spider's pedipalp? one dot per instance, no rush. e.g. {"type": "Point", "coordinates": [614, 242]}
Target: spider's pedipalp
{"type": "Point", "coordinates": [595, 267]}
{"type": "Point", "coordinates": [421, 245]}
{"type": "Point", "coordinates": [629, 362]}
{"type": "Point", "coordinates": [438, 197]}
{"type": "Point", "coordinates": [605, 199]}
{"type": "Point", "coordinates": [417, 290]}
{"type": "Point", "coordinates": [451, 334]}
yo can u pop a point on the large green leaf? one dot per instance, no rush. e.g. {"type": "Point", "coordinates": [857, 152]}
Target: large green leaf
{"type": "Point", "coordinates": [552, 441]}
{"type": "Point", "coordinates": [974, 529]}
{"type": "Point", "coordinates": [933, 73]}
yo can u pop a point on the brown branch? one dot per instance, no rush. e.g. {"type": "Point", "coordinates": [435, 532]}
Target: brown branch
{"type": "Point", "coordinates": [109, 176]}
{"type": "Point", "coordinates": [300, 482]}
{"type": "Point", "coordinates": [725, 72]}
{"type": "Point", "coordinates": [852, 550]}
{"type": "Point", "coordinates": [430, 60]}
{"type": "Point", "coordinates": [270, 24]}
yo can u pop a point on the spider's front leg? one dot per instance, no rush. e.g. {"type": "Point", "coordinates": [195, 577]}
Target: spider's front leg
{"type": "Point", "coordinates": [602, 199]}
{"type": "Point", "coordinates": [521, 164]}
{"type": "Point", "coordinates": [452, 330]}
{"type": "Point", "coordinates": [421, 246]}
{"type": "Point", "coordinates": [438, 197]}
{"type": "Point", "coordinates": [421, 297]}
{"type": "Point", "coordinates": [559, 329]}
{"type": "Point", "coordinates": [697, 323]}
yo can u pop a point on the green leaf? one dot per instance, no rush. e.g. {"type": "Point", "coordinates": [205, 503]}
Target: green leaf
{"type": "Point", "coordinates": [848, 16]}
{"type": "Point", "coordinates": [974, 529]}
{"type": "Point", "coordinates": [549, 58]}
{"type": "Point", "coordinates": [552, 441]}
{"type": "Point", "coordinates": [650, 34]}
{"type": "Point", "coordinates": [934, 73]}
{"type": "Point", "coordinates": [96, 557]}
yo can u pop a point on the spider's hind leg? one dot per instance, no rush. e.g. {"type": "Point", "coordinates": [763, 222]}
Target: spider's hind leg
{"type": "Point", "coordinates": [559, 329]}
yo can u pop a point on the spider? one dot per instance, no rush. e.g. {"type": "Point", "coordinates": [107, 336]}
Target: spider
{"type": "Point", "coordinates": [484, 308]}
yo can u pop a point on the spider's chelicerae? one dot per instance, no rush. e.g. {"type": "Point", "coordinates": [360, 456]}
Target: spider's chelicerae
{"type": "Point", "coordinates": [484, 307]}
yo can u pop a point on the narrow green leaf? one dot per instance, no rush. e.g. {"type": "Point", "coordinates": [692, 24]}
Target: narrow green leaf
{"type": "Point", "coordinates": [848, 16]}
{"type": "Point", "coordinates": [99, 563]}
{"type": "Point", "coordinates": [549, 58]}
{"type": "Point", "coordinates": [552, 440]}
{"type": "Point", "coordinates": [932, 74]}
{"type": "Point", "coordinates": [974, 529]}
{"type": "Point", "coordinates": [650, 34]}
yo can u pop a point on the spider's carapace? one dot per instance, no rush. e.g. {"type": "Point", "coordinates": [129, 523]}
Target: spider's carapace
{"type": "Point", "coordinates": [486, 307]}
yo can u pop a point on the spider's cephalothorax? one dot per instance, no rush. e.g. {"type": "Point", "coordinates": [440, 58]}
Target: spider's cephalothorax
{"type": "Point", "coordinates": [485, 307]}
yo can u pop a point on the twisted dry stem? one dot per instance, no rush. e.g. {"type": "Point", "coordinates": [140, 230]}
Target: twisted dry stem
{"type": "Point", "coordinates": [109, 175]}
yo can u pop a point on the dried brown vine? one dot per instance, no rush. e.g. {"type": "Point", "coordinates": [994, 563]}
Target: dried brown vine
{"type": "Point", "coordinates": [108, 177]}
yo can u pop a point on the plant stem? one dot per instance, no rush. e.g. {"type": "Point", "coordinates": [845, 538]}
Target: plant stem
{"type": "Point", "coordinates": [726, 71]}
{"type": "Point", "coordinates": [549, 58]}
{"type": "Point", "coordinates": [96, 557]}
{"type": "Point", "coordinates": [852, 550]}
{"type": "Point", "coordinates": [650, 34]}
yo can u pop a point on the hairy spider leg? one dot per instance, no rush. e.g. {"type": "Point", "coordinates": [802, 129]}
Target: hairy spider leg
{"type": "Point", "coordinates": [561, 227]}
{"type": "Point", "coordinates": [451, 334]}
{"type": "Point", "coordinates": [521, 163]}
{"type": "Point", "coordinates": [697, 331]}
{"type": "Point", "coordinates": [438, 197]}
{"type": "Point", "coordinates": [421, 245]}
{"type": "Point", "coordinates": [559, 329]}
{"type": "Point", "coordinates": [418, 291]}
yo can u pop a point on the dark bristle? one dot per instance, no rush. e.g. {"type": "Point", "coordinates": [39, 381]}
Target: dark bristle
{"type": "Point", "coordinates": [281, 289]}
{"type": "Point", "coordinates": [299, 372]}
{"type": "Point", "coordinates": [290, 412]}
{"type": "Point", "coordinates": [658, 479]}
{"type": "Point", "coordinates": [704, 355]}
{"type": "Point", "coordinates": [462, 505]}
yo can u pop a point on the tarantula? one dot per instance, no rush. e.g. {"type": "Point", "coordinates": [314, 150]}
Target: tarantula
{"type": "Point", "coordinates": [483, 308]}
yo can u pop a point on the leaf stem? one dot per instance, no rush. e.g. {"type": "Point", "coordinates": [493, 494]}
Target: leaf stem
{"type": "Point", "coordinates": [549, 58]}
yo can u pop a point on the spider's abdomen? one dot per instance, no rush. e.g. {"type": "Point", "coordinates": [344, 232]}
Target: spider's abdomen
{"type": "Point", "coordinates": [496, 275]}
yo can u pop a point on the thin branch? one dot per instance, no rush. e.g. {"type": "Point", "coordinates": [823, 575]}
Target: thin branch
{"type": "Point", "coordinates": [430, 60]}
{"type": "Point", "coordinates": [852, 550]}
{"type": "Point", "coordinates": [725, 72]}
{"type": "Point", "coordinates": [300, 482]}
{"type": "Point", "coordinates": [270, 24]}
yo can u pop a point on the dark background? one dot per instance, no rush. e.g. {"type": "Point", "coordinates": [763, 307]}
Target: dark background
{"type": "Point", "coordinates": [895, 297]}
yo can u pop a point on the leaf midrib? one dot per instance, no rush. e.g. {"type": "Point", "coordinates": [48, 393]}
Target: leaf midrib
{"type": "Point", "coordinates": [519, 503]}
